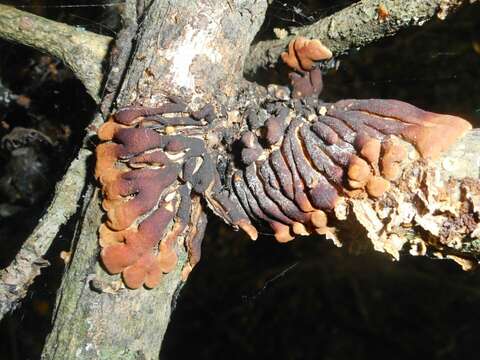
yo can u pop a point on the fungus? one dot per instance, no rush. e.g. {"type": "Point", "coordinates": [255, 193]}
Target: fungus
{"type": "Point", "coordinates": [267, 205]}
{"type": "Point", "coordinates": [377, 186]}
{"type": "Point", "coordinates": [319, 219]}
{"type": "Point", "coordinates": [300, 161]}
{"type": "Point", "coordinates": [306, 84]}
{"type": "Point", "coordinates": [382, 13]}
{"type": "Point", "coordinates": [393, 154]}
{"type": "Point", "coordinates": [301, 57]}
{"type": "Point", "coordinates": [369, 149]}
{"type": "Point", "coordinates": [275, 126]}
{"type": "Point", "coordinates": [353, 149]}
{"type": "Point", "coordinates": [251, 148]}
{"type": "Point", "coordinates": [194, 241]}
{"type": "Point", "coordinates": [429, 132]}
{"type": "Point", "coordinates": [150, 180]}
{"type": "Point", "coordinates": [302, 53]}
{"type": "Point", "coordinates": [134, 256]}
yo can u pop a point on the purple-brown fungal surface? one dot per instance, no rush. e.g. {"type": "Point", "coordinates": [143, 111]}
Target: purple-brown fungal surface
{"type": "Point", "coordinates": [152, 178]}
{"type": "Point", "coordinates": [343, 149]}
{"type": "Point", "coordinates": [287, 174]}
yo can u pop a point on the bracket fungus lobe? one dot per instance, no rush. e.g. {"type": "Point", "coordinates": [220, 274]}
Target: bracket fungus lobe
{"type": "Point", "coordinates": [302, 53]}
{"type": "Point", "coordinates": [315, 154]}
{"type": "Point", "coordinates": [151, 181]}
{"type": "Point", "coordinates": [293, 170]}
{"type": "Point", "coordinates": [354, 149]}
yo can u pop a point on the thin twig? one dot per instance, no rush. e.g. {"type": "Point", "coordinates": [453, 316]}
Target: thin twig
{"type": "Point", "coordinates": [354, 27]}
{"type": "Point", "coordinates": [19, 275]}
{"type": "Point", "coordinates": [120, 55]}
{"type": "Point", "coordinates": [82, 51]}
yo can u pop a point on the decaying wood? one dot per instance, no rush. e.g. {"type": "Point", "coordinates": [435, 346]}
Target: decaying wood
{"type": "Point", "coordinates": [433, 211]}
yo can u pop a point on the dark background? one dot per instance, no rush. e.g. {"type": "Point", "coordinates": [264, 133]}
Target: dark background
{"type": "Point", "coordinates": [246, 300]}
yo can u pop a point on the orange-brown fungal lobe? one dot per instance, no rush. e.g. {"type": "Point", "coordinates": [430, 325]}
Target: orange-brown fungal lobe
{"type": "Point", "coordinates": [108, 129]}
{"type": "Point", "coordinates": [302, 53]}
{"type": "Point", "coordinates": [134, 256]}
{"type": "Point", "coordinates": [377, 186]}
{"type": "Point", "coordinates": [105, 169]}
{"type": "Point", "coordinates": [358, 169]}
{"type": "Point", "coordinates": [289, 171]}
{"type": "Point", "coordinates": [300, 229]}
{"type": "Point", "coordinates": [429, 132]}
{"type": "Point", "coordinates": [290, 57]}
{"type": "Point", "coordinates": [352, 148]}
{"type": "Point", "coordinates": [301, 56]}
{"type": "Point", "coordinates": [151, 178]}
{"type": "Point", "coordinates": [370, 150]}
{"type": "Point", "coordinates": [319, 219]}
{"type": "Point", "coordinates": [382, 12]}
{"type": "Point", "coordinates": [437, 134]}
{"type": "Point", "coordinates": [282, 232]}
{"type": "Point", "coordinates": [249, 229]}
{"type": "Point", "coordinates": [393, 155]}
{"type": "Point", "coordinates": [109, 237]}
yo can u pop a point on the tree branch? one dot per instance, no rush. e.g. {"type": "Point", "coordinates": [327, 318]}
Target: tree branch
{"type": "Point", "coordinates": [95, 316]}
{"type": "Point", "coordinates": [19, 275]}
{"type": "Point", "coordinates": [82, 51]}
{"type": "Point", "coordinates": [354, 27]}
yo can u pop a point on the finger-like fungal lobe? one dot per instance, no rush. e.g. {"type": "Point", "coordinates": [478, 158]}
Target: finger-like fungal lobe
{"type": "Point", "coordinates": [310, 156]}
{"type": "Point", "coordinates": [154, 169]}
{"type": "Point", "coordinates": [286, 163]}
{"type": "Point", "coordinates": [302, 56]}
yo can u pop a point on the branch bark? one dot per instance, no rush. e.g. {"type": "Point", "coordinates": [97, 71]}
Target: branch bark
{"type": "Point", "coordinates": [82, 51]}
{"type": "Point", "coordinates": [20, 274]}
{"type": "Point", "coordinates": [354, 27]}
